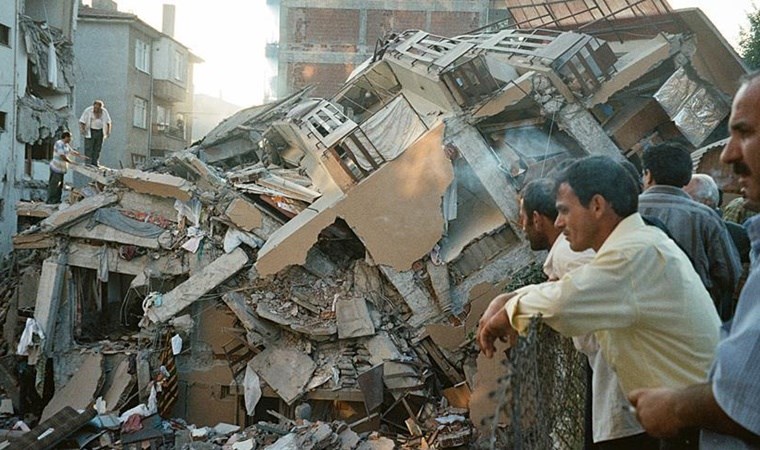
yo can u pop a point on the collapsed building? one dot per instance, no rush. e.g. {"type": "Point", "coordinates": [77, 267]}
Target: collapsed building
{"type": "Point", "coordinates": [334, 255]}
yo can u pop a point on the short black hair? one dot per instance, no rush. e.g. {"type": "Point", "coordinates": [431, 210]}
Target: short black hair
{"type": "Point", "coordinates": [602, 175]}
{"type": "Point", "coordinates": [65, 134]}
{"type": "Point", "coordinates": [668, 163]}
{"type": "Point", "coordinates": [634, 173]}
{"type": "Point", "coordinates": [540, 195]}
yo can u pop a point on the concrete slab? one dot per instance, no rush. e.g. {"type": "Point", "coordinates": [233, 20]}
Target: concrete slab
{"type": "Point", "coordinates": [273, 363]}
{"type": "Point", "coordinates": [81, 389]}
{"type": "Point", "coordinates": [198, 285]}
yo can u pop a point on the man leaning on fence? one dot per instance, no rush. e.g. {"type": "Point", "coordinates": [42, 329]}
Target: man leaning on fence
{"type": "Point", "coordinates": [613, 426]}
{"type": "Point", "coordinates": [648, 309]}
{"type": "Point", "coordinates": [726, 407]}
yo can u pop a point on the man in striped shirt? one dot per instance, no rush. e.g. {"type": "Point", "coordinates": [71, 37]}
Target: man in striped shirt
{"type": "Point", "coordinates": [62, 153]}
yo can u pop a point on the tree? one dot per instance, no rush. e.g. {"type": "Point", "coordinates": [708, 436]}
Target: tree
{"type": "Point", "coordinates": [749, 40]}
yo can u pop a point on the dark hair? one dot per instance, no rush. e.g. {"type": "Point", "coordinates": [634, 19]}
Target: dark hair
{"type": "Point", "coordinates": [65, 134]}
{"type": "Point", "coordinates": [634, 173]}
{"type": "Point", "coordinates": [602, 175]}
{"type": "Point", "coordinates": [669, 163]}
{"type": "Point", "coordinates": [540, 195]}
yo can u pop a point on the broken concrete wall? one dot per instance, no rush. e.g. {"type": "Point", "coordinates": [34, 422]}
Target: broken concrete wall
{"type": "Point", "coordinates": [39, 38]}
{"type": "Point", "coordinates": [412, 187]}
{"type": "Point", "coordinates": [39, 120]}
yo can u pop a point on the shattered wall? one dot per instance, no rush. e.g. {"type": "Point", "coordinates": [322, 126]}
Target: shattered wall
{"type": "Point", "coordinates": [409, 191]}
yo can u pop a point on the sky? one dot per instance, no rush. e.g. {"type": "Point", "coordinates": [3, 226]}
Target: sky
{"type": "Point", "coordinates": [230, 36]}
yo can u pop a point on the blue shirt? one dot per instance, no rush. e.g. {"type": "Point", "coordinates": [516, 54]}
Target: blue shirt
{"type": "Point", "coordinates": [735, 374]}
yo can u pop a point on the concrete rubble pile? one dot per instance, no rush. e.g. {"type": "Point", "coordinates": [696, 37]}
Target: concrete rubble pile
{"type": "Point", "coordinates": [324, 262]}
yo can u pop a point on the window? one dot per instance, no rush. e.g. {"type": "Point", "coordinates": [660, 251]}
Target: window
{"type": "Point", "coordinates": [138, 160]}
{"type": "Point", "coordinates": [178, 68]}
{"type": "Point", "coordinates": [142, 56]}
{"type": "Point", "coordinates": [5, 35]}
{"type": "Point", "coordinates": [140, 115]}
{"type": "Point", "coordinates": [2, 121]}
{"type": "Point", "coordinates": [162, 117]}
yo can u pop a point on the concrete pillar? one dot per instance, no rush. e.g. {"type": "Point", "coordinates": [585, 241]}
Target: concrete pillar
{"type": "Point", "coordinates": [582, 126]}
{"type": "Point", "coordinates": [479, 156]}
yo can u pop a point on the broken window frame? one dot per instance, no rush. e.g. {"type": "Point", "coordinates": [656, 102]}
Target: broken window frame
{"type": "Point", "coordinates": [435, 51]}
{"type": "Point", "coordinates": [327, 123]}
{"type": "Point", "coordinates": [365, 84]}
{"type": "Point", "coordinates": [138, 159]}
{"type": "Point", "coordinates": [39, 151]}
{"type": "Point", "coordinates": [342, 153]}
{"type": "Point", "coordinates": [470, 81]}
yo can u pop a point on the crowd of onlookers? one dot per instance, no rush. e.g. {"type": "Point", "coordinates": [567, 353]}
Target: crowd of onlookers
{"type": "Point", "coordinates": [657, 285]}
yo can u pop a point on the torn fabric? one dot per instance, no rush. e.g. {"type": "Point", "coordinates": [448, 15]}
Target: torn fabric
{"type": "Point", "coordinates": [31, 329]}
{"type": "Point", "coordinates": [115, 219]}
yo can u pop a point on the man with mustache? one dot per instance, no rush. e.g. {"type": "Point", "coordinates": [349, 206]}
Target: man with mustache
{"type": "Point", "coordinates": [640, 296]}
{"type": "Point", "coordinates": [726, 407]}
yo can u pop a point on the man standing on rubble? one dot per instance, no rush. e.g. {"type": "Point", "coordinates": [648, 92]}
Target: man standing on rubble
{"type": "Point", "coordinates": [652, 317]}
{"type": "Point", "coordinates": [726, 407]}
{"type": "Point", "coordinates": [62, 153]}
{"type": "Point", "coordinates": [95, 125]}
{"type": "Point", "coordinates": [697, 229]}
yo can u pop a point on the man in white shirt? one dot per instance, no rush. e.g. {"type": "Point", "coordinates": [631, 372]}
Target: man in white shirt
{"type": "Point", "coordinates": [95, 125]}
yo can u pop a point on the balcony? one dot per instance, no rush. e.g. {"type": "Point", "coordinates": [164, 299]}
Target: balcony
{"type": "Point", "coordinates": [169, 91]}
{"type": "Point", "coordinates": [167, 138]}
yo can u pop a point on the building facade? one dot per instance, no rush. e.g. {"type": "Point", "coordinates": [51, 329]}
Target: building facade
{"type": "Point", "coordinates": [36, 99]}
{"type": "Point", "coordinates": [145, 78]}
{"type": "Point", "coordinates": [321, 42]}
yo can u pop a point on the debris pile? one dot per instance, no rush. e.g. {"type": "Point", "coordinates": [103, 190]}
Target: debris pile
{"type": "Point", "coordinates": [327, 260]}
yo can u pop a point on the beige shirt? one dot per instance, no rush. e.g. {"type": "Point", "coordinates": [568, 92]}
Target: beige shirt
{"type": "Point", "coordinates": [610, 416]}
{"type": "Point", "coordinates": [562, 259]}
{"type": "Point", "coordinates": [655, 322]}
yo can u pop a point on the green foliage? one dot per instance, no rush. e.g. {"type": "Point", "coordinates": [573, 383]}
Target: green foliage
{"type": "Point", "coordinates": [749, 40]}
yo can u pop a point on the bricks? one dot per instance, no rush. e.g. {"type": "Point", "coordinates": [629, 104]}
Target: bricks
{"type": "Point", "coordinates": [323, 26]}
{"type": "Point", "coordinates": [381, 22]}
{"type": "Point", "coordinates": [453, 23]}
{"type": "Point", "coordinates": [327, 78]}
{"type": "Point", "coordinates": [318, 38]}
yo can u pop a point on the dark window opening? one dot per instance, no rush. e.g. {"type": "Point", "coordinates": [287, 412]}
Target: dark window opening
{"type": "Point", "coordinates": [5, 35]}
{"type": "Point", "coordinates": [40, 151]}
{"type": "Point", "coordinates": [2, 120]}
{"type": "Point", "coordinates": [110, 309]}
{"type": "Point", "coordinates": [470, 82]}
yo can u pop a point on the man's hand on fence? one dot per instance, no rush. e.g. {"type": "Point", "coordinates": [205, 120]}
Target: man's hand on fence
{"type": "Point", "coordinates": [656, 411]}
{"type": "Point", "coordinates": [494, 324]}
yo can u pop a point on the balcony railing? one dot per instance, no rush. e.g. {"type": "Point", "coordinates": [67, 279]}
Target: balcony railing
{"type": "Point", "coordinates": [170, 91]}
{"type": "Point", "coordinates": [168, 138]}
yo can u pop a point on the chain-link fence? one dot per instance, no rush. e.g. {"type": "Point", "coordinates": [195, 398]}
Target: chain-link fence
{"type": "Point", "coordinates": [544, 394]}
